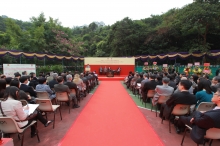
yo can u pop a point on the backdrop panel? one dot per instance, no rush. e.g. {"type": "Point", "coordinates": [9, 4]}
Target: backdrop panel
{"type": "Point", "coordinates": [126, 64]}
{"type": "Point", "coordinates": [10, 69]}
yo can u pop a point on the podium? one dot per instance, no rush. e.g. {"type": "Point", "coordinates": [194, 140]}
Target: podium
{"type": "Point", "coordinates": [87, 69]}
{"type": "Point", "coordinates": [110, 74]}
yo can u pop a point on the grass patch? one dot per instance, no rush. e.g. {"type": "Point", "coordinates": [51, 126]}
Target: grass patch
{"type": "Point", "coordinates": [135, 98]}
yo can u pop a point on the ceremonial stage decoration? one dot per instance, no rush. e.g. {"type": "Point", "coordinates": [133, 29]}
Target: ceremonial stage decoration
{"type": "Point", "coordinates": [116, 65]}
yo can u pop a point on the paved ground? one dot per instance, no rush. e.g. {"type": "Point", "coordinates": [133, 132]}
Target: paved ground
{"type": "Point", "coordinates": [52, 137]}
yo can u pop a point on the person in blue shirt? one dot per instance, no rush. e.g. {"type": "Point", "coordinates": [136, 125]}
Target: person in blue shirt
{"type": "Point", "coordinates": [204, 93]}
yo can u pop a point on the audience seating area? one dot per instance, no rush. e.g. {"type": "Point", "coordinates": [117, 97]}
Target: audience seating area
{"type": "Point", "coordinates": [48, 99]}
{"type": "Point", "coordinates": [136, 83]}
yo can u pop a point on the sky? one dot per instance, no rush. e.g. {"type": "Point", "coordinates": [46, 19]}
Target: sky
{"type": "Point", "coordinates": [83, 12]}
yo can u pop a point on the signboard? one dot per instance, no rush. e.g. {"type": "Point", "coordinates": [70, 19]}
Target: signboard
{"type": "Point", "coordinates": [190, 64]}
{"type": "Point", "coordinates": [154, 63]}
{"type": "Point", "coordinates": [197, 63]}
{"type": "Point", "coordinates": [10, 69]}
{"type": "Point", "coordinates": [206, 64]}
{"type": "Point", "coordinates": [145, 63]}
{"type": "Point", "coordinates": [109, 60]}
{"type": "Point", "coordinates": [165, 65]}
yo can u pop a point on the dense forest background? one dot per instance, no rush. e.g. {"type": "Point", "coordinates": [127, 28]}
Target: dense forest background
{"type": "Point", "coordinates": [195, 27]}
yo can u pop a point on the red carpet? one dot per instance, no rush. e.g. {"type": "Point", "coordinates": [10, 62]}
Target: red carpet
{"type": "Point", "coordinates": [111, 118]}
{"type": "Point", "coordinates": [115, 78]}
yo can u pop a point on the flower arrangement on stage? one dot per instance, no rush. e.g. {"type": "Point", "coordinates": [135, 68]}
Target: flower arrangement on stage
{"type": "Point", "coordinates": [146, 68]}
{"type": "Point", "coordinates": [187, 70]}
{"type": "Point", "coordinates": [197, 70]}
{"type": "Point", "coordinates": [207, 70]}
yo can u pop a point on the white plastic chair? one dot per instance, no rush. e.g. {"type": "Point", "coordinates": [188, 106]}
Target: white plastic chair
{"type": "Point", "coordinates": [179, 110]}
{"type": "Point", "coordinates": [63, 97]}
{"type": "Point", "coordinates": [162, 99]}
{"type": "Point", "coordinates": [205, 106]}
{"type": "Point", "coordinates": [42, 95]}
{"type": "Point", "coordinates": [150, 95]}
{"type": "Point", "coordinates": [212, 133]}
{"type": "Point", "coordinates": [9, 125]}
{"type": "Point", "coordinates": [45, 105]}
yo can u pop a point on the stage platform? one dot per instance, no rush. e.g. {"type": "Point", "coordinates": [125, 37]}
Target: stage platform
{"type": "Point", "coordinates": [115, 78]}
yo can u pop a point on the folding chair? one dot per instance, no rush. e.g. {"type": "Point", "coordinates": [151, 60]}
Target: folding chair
{"type": "Point", "coordinates": [45, 95]}
{"type": "Point", "coordinates": [45, 105]}
{"type": "Point", "coordinates": [212, 133]}
{"type": "Point", "coordinates": [63, 97]}
{"type": "Point", "coordinates": [9, 125]}
{"type": "Point", "coordinates": [42, 95]}
{"type": "Point", "coordinates": [162, 99]}
{"type": "Point", "coordinates": [205, 106]}
{"type": "Point", "coordinates": [178, 110]}
{"type": "Point", "coordinates": [150, 95]}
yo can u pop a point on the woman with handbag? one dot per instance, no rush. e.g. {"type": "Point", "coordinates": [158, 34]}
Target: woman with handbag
{"type": "Point", "coordinates": [11, 107]}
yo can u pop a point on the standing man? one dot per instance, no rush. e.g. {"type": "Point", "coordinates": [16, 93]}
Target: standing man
{"type": "Point", "coordinates": [217, 72]}
{"type": "Point", "coordinates": [100, 70]}
{"type": "Point", "coordinates": [105, 70]}
{"type": "Point", "coordinates": [88, 68]}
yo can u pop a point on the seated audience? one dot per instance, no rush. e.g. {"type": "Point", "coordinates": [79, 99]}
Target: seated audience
{"type": "Point", "coordinates": [17, 75]}
{"type": "Point", "coordinates": [2, 87]}
{"type": "Point", "coordinates": [164, 90]}
{"type": "Point", "coordinates": [13, 108]}
{"type": "Point", "coordinates": [70, 84]}
{"type": "Point", "coordinates": [171, 82]}
{"type": "Point", "coordinates": [202, 121]}
{"type": "Point", "coordinates": [25, 87]}
{"type": "Point", "coordinates": [215, 83]}
{"type": "Point", "coordinates": [54, 81]}
{"type": "Point", "coordinates": [33, 80]}
{"type": "Point", "coordinates": [181, 97]}
{"type": "Point", "coordinates": [78, 82]}
{"type": "Point", "coordinates": [43, 87]}
{"type": "Point", "coordinates": [190, 90]}
{"type": "Point", "coordinates": [207, 78]}
{"type": "Point", "coordinates": [8, 80]}
{"type": "Point", "coordinates": [145, 76]}
{"type": "Point", "coordinates": [150, 85]}
{"type": "Point", "coordinates": [204, 93]}
{"type": "Point", "coordinates": [60, 87]}
{"type": "Point", "coordinates": [2, 76]}
{"type": "Point", "coordinates": [159, 80]}
{"type": "Point", "coordinates": [22, 94]}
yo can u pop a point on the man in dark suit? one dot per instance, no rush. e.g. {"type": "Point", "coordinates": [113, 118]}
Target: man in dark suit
{"type": "Point", "coordinates": [215, 83]}
{"type": "Point", "coordinates": [25, 87]}
{"type": "Point", "coordinates": [202, 121]}
{"type": "Point", "coordinates": [70, 84]}
{"type": "Point", "coordinates": [182, 97]}
{"type": "Point", "coordinates": [172, 83]}
{"type": "Point", "coordinates": [54, 81]}
{"type": "Point", "coordinates": [151, 85]}
{"type": "Point", "coordinates": [217, 72]}
{"type": "Point", "coordinates": [60, 87]}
